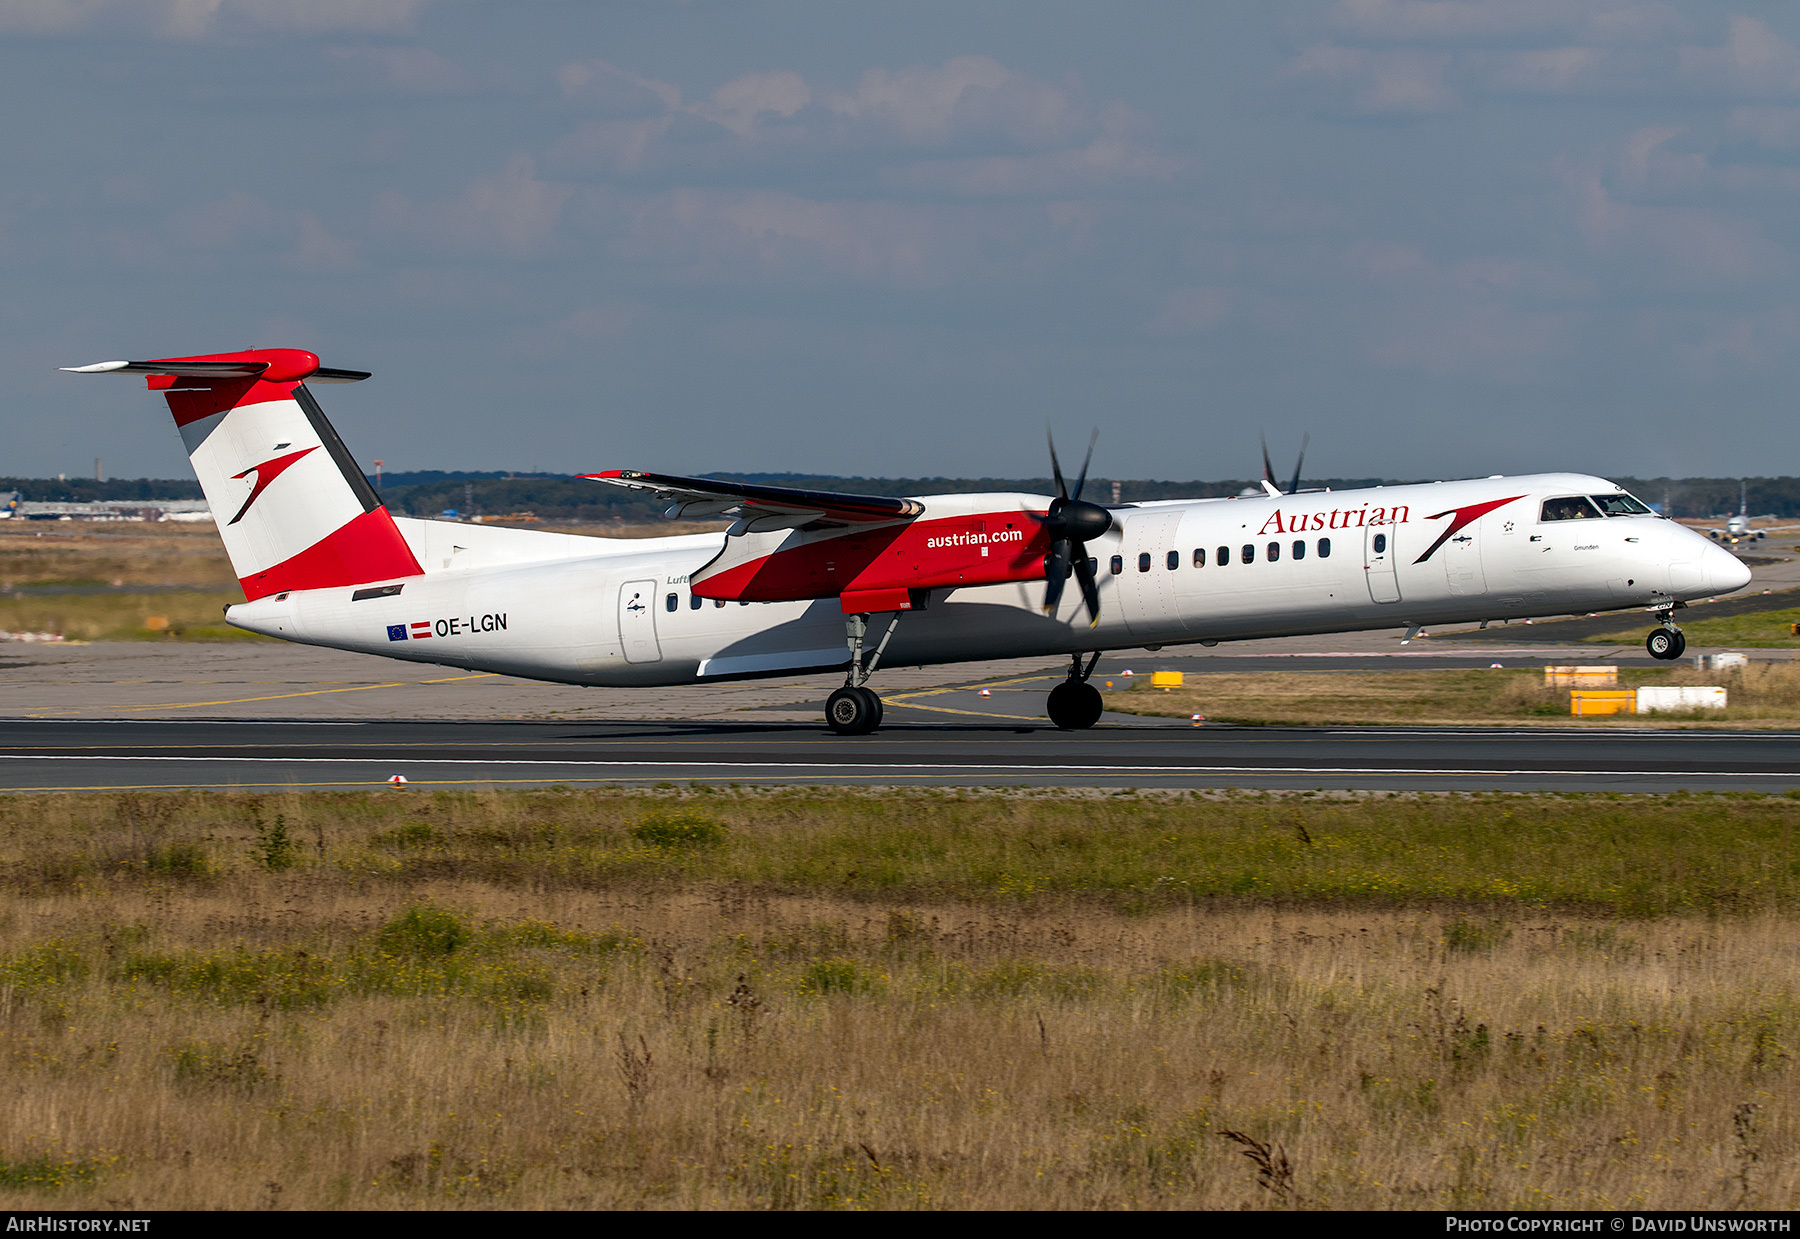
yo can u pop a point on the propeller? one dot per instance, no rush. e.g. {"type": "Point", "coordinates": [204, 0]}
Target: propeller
{"type": "Point", "coordinates": [1268, 476]}
{"type": "Point", "coordinates": [1072, 524]}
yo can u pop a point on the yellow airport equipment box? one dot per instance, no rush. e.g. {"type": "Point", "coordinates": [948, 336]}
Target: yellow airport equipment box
{"type": "Point", "coordinates": [1165, 680]}
{"type": "Point", "coordinates": [1584, 702]}
{"type": "Point", "coordinates": [1580, 677]}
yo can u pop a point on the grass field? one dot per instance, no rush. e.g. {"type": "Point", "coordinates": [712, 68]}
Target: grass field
{"type": "Point", "coordinates": [80, 577]}
{"type": "Point", "coordinates": [1762, 695]}
{"type": "Point", "coordinates": [809, 999]}
{"type": "Point", "coordinates": [1758, 630]}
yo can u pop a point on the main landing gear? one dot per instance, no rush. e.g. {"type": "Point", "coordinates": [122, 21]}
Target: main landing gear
{"type": "Point", "coordinates": [854, 710]}
{"type": "Point", "coordinates": [1074, 705]}
{"type": "Point", "coordinates": [1668, 642]}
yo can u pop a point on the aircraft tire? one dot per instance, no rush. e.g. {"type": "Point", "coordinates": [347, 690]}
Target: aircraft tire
{"type": "Point", "coordinates": [1665, 645]}
{"type": "Point", "coordinates": [1680, 643]}
{"type": "Point", "coordinates": [1073, 705]}
{"type": "Point", "coordinates": [852, 711]}
{"type": "Point", "coordinates": [875, 702]}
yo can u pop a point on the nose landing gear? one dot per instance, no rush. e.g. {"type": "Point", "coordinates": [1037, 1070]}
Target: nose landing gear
{"type": "Point", "coordinates": [1668, 642]}
{"type": "Point", "coordinates": [1075, 705]}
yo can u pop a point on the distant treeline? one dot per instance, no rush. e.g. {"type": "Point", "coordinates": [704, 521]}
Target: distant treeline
{"type": "Point", "coordinates": [563, 497]}
{"type": "Point", "coordinates": [117, 490]}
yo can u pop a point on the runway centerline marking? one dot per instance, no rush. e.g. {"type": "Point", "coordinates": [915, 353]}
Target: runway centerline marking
{"type": "Point", "coordinates": [835, 767]}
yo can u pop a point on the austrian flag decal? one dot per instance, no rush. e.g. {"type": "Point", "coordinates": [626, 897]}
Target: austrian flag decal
{"type": "Point", "coordinates": [420, 630]}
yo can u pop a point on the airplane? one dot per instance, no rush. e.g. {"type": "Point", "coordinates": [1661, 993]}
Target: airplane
{"type": "Point", "coordinates": [809, 581]}
{"type": "Point", "coordinates": [1738, 527]}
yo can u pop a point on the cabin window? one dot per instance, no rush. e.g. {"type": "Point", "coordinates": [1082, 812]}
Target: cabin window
{"type": "Point", "coordinates": [1299, 550]}
{"type": "Point", "coordinates": [718, 602]}
{"type": "Point", "coordinates": [671, 602]}
{"type": "Point", "coordinates": [694, 602]}
{"type": "Point", "coordinates": [1144, 562]}
{"type": "Point", "coordinates": [1249, 553]}
{"type": "Point", "coordinates": [1381, 544]}
{"type": "Point", "coordinates": [1573, 508]}
{"type": "Point", "coordinates": [1620, 505]}
{"type": "Point", "coordinates": [1199, 557]}
{"type": "Point", "coordinates": [1324, 548]}
{"type": "Point", "coordinates": [1174, 560]}
{"type": "Point", "coordinates": [1274, 551]}
{"type": "Point", "coordinates": [1118, 564]}
{"type": "Point", "coordinates": [1224, 556]}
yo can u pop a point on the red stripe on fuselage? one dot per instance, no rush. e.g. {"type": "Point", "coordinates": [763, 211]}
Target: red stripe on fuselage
{"type": "Point", "coordinates": [893, 557]}
{"type": "Point", "coordinates": [366, 549]}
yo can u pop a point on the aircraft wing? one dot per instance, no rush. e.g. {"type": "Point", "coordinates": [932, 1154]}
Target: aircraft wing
{"type": "Point", "coordinates": [760, 508]}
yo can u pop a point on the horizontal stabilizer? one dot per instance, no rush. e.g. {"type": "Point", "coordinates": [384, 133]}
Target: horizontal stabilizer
{"type": "Point", "coordinates": [277, 365]}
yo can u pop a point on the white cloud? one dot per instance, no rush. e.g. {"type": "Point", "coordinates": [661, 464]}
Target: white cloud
{"type": "Point", "coordinates": [1499, 318]}
{"type": "Point", "coordinates": [406, 70]}
{"type": "Point", "coordinates": [1379, 82]}
{"type": "Point", "coordinates": [1114, 158]}
{"type": "Point", "coordinates": [1001, 132]}
{"type": "Point", "coordinates": [1775, 129]}
{"type": "Point", "coordinates": [1463, 20]}
{"type": "Point", "coordinates": [193, 19]}
{"type": "Point", "coordinates": [744, 102]}
{"type": "Point", "coordinates": [1685, 247]}
{"type": "Point", "coordinates": [927, 105]}
{"type": "Point", "coordinates": [1192, 310]}
{"type": "Point", "coordinates": [1753, 60]}
{"type": "Point", "coordinates": [511, 214]}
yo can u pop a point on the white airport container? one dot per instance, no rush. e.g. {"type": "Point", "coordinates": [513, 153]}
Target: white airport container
{"type": "Point", "coordinates": [1652, 698]}
{"type": "Point", "coordinates": [1727, 661]}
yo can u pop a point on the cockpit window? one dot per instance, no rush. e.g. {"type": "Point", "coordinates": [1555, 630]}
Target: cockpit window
{"type": "Point", "coordinates": [1620, 505]}
{"type": "Point", "coordinates": [1574, 508]}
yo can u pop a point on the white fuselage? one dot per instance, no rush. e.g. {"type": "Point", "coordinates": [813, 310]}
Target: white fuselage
{"type": "Point", "coordinates": [618, 612]}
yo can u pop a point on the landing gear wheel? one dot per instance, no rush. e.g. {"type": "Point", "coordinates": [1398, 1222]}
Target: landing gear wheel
{"type": "Point", "coordinates": [1074, 706]}
{"type": "Point", "coordinates": [874, 700]}
{"type": "Point", "coordinates": [1665, 644]}
{"type": "Point", "coordinates": [1680, 643]}
{"type": "Point", "coordinates": [852, 711]}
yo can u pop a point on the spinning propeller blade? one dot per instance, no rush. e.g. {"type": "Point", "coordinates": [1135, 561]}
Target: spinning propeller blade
{"type": "Point", "coordinates": [1072, 523]}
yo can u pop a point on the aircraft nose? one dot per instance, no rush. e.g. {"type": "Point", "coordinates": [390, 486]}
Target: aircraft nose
{"type": "Point", "coordinates": [1724, 571]}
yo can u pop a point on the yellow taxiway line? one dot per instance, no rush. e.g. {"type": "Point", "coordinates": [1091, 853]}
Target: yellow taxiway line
{"type": "Point", "coordinates": [314, 692]}
{"type": "Point", "coordinates": [905, 699]}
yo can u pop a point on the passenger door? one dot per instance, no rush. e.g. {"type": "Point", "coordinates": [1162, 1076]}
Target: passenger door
{"type": "Point", "coordinates": [637, 622]}
{"type": "Point", "coordinates": [1379, 556]}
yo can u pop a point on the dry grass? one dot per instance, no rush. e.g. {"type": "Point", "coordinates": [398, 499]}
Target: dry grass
{"type": "Point", "coordinates": [82, 574]}
{"type": "Point", "coordinates": [1762, 695]}
{"type": "Point", "coordinates": [49, 553]}
{"type": "Point", "coordinates": [126, 616]}
{"type": "Point", "coordinates": [315, 1002]}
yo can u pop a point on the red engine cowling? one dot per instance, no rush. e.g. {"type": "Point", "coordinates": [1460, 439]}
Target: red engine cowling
{"type": "Point", "coordinates": [874, 569]}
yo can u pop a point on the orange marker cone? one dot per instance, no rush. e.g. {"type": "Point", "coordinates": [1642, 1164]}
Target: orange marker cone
{"type": "Point", "coordinates": [985, 693]}
{"type": "Point", "coordinates": [1198, 719]}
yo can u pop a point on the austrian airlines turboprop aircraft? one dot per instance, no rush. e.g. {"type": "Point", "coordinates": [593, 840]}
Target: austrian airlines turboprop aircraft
{"type": "Point", "coordinates": [793, 585]}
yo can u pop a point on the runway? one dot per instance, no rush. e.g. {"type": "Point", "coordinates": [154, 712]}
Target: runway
{"type": "Point", "coordinates": [39, 755]}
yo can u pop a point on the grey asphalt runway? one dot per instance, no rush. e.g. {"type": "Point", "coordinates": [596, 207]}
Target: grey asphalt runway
{"type": "Point", "coordinates": [39, 755]}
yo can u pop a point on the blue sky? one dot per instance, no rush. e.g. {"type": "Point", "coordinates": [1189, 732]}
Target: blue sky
{"type": "Point", "coordinates": [1445, 237]}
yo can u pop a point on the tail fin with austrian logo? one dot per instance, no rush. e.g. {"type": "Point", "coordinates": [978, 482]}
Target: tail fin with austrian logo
{"type": "Point", "coordinates": [294, 510]}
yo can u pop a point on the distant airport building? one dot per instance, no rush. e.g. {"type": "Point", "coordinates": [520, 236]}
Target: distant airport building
{"type": "Point", "coordinates": [14, 508]}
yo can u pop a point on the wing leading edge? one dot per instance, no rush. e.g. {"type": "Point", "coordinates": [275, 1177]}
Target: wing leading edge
{"type": "Point", "coordinates": [761, 509]}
